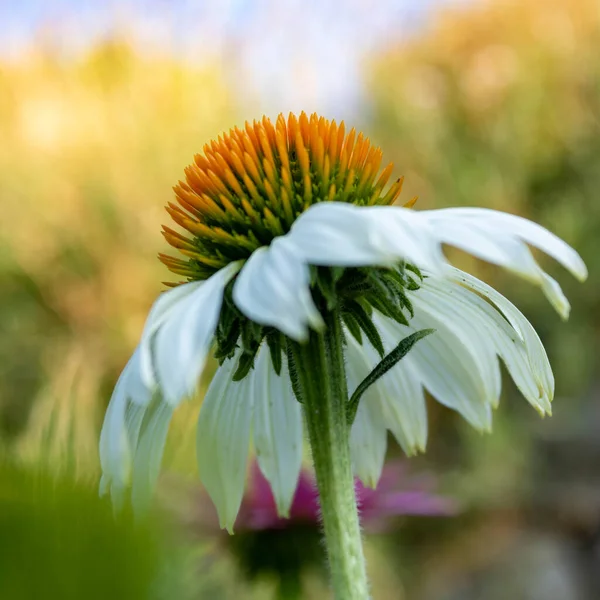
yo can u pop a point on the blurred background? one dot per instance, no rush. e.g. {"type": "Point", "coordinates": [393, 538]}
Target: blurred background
{"type": "Point", "coordinates": [480, 102]}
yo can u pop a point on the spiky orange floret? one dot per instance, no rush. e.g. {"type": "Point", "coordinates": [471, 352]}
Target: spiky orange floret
{"type": "Point", "coordinates": [250, 185]}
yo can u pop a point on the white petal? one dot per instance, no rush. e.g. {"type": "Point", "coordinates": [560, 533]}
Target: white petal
{"type": "Point", "coordinates": [159, 312]}
{"type": "Point", "coordinates": [446, 368]}
{"type": "Point", "coordinates": [137, 390]}
{"type": "Point", "coordinates": [368, 436]}
{"type": "Point", "coordinates": [134, 416]}
{"type": "Point", "coordinates": [340, 234]}
{"type": "Point", "coordinates": [537, 359]}
{"type": "Point", "coordinates": [508, 224]}
{"type": "Point", "coordinates": [403, 233]}
{"type": "Point", "coordinates": [182, 342]}
{"type": "Point", "coordinates": [116, 447]}
{"type": "Point", "coordinates": [223, 439]}
{"type": "Point", "coordinates": [274, 289]}
{"type": "Point", "coordinates": [337, 234]}
{"type": "Point", "coordinates": [555, 295]}
{"type": "Point", "coordinates": [277, 430]}
{"type": "Point", "coordinates": [115, 452]}
{"type": "Point", "coordinates": [490, 244]}
{"type": "Point", "coordinates": [368, 442]}
{"type": "Point", "coordinates": [472, 312]}
{"type": "Point", "coordinates": [152, 431]}
{"type": "Point", "coordinates": [436, 301]}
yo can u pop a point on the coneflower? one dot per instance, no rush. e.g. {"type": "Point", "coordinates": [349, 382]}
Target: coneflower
{"type": "Point", "coordinates": [311, 286]}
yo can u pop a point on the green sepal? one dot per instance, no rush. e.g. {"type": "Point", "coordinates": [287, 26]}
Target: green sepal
{"type": "Point", "coordinates": [227, 341]}
{"type": "Point", "coordinates": [352, 325]}
{"type": "Point", "coordinates": [415, 270]}
{"type": "Point", "coordinates": [381, 368]}
{"type": "Point", "coordinates": [366, 324]}
{"type": "Point", "coordinates": [354, 282]}
{"type": "Point", "coordinates": [412, 285]}
{"type": "Point", "coordinates": [252, 335]}
{"type": "Point", "coordinates": [386, 286]}
{"type": "Point", "coordinates": [395, 279]}
{"type": "Point", "coordinates": [293, 371]}
{"type": "Point", "coordinates": [387, 308]}
{"type": "Point", "coordinates": [245, 363]}
{"type": "Point", "coordinates": [337, 273]}
{"type": "Point", "coordinates": [327, 287]}
{"type": "Point", "coordinates": [275, 343]}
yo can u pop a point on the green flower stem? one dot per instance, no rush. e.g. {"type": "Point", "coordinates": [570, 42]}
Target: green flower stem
{"type": "Point", "coordinates": [289, 587]}
{"type": "Point", "coordinates": [322, 389]}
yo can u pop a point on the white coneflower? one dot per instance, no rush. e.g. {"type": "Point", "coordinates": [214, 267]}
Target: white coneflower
{"type": "Point", "coordinates": [306, 281]}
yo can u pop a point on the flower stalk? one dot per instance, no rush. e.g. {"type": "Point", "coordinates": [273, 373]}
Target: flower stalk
{"type": "Point", "coordinates": [289, 587]}
{"type": "Point", "coordinates": [319, 381]}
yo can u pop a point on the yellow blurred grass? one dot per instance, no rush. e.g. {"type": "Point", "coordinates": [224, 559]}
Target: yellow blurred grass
{"type": "Point", "coordinates": [516, 77]}
{"type": "Point", "coordinates": [91, 147]}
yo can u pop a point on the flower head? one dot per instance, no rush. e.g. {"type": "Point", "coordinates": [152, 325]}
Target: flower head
{"type": "Point", "coordinates": [286, 224]}
{"type": "Point", "coordinates": [249, 186]}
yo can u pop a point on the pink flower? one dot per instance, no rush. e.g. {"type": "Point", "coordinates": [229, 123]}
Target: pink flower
{"type": "Point", "coordinates": [397, 494]}
{"type": "Point", "coordinates": [266, 544]}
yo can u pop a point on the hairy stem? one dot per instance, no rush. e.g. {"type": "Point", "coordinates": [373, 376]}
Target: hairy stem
{"type": "Point", "coordinates": [321, 385]}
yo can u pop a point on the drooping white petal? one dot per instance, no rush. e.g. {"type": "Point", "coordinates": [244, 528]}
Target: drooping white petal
{"type": "Point", "coordinates": [136, 388]}
{"type": "Point", "coordinates": [503, 224]}
{"type": "Point", "coordinates": [437, 303]}
{"type": "Point", "coordinates": [182, 342]}
{"type": "Point", "coordinates": [116, 448]}
{"type": "Point", "coordinates": [151, 431]}
{"type": "Point", "coordinates": [368, 436]}
{"type": "Point", "coordinates": [277, 430]}
{"type": "Point", "coordinates": [115, 452]}
{"type": "Point", "coordinates": [368, 442]}
{"type": "Point", "coordinates": [159, 312]}
{"type": "Point", "coordinates": [501, 238]}
{"type": "Point", "coordinates": [447, 369]}
{"type": "Point", "coordinates": [340, 234]}
{"type": "Point", "coordinates": [134, 416]}
{"type": "Point", "coordinates": [555, 295]}
{"type": "Point", "coordinates": [472, 312]}
{"type": "Point", "coordinates": [403, 233]}
{"type": "Point", "coordinates": [223, 439]}
{"type": "Point", "coordinates": [274, 289]}
{"type": "Point", "coordinates": [488, 243]}
{"type": "Point", "coordinates": [337, 234]}
{"type": "Point", "coordinates": [536, 353]}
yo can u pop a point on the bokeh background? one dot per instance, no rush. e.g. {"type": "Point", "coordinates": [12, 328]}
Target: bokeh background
{"type": "Point", "coordinates": [484, 102]}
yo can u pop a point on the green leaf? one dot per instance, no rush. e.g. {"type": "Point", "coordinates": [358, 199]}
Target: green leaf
{"type": "Point", "coordinates": [386, 363]}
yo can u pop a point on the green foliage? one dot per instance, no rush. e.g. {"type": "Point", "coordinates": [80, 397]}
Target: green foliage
{"type": "Point", "coordinates": [382, 367]}
{"type": "Point", "coordinates": [59, 540]}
